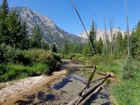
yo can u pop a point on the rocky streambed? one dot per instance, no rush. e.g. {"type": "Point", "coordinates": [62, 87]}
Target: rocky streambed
{"type": "Point", "coordinates": [60, 89]}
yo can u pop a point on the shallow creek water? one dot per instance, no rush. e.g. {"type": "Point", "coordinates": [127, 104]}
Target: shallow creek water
{"type": "Point", "coordinates": [63, 90]}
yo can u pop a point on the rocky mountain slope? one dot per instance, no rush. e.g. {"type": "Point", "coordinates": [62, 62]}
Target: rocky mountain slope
{"type": "Point", "coordinates": [50, 31]}
{"type": "Point", "coordinates": [100, 33]}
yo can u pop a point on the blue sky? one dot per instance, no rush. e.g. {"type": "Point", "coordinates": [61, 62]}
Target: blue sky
{"type": "Point", "coordinates": [62, 13]}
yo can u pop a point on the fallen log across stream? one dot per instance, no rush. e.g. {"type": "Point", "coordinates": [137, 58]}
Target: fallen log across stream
{"type": "Point", "coordinates": [89, 91]}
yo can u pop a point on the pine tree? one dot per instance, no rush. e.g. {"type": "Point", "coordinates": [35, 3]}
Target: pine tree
{"type": "Point", "coordinates": [36, 38]}
{"type": "Point", "coordinates": [119, 42]}
{"type": "Point", "coordinates": [4, 32]}
{"type": "Point", "coordinates": [134, 44]}
{"type": "Point", "coordinates": [108, 45]}
{"type": "Point", "coordinates": [44, 45]}
{"type": "Point", "coordinates": [92, 38]}
{"type": "Point", "coordinates": [138, 39]}
{"type": "Point", "coordinates": [66, 47]}
{"type": "Point", "coordinates": [125, 43]}
{"type": "Point", "coordinates": [24, 37]}
{"type": "Point", "coordinates": [0, 12]}
{"type": "Point", "coordinates": [86, 49]}
{"type": "Point", "coordinates": [100, 46]}
{"type": "Point", "coordinates": [4, 9]}
{"type": "Point", "coordinates": [17, 30]}
{"type": "Point", "coordinates": [54, 48]}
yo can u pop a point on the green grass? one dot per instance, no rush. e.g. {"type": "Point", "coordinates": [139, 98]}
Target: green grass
{"type": "Point", "coordinates": [15, 71]}
{"type": "Point", "coordinates": [127, 92]}
{"type": "Point", "coordinates": [114, 67]}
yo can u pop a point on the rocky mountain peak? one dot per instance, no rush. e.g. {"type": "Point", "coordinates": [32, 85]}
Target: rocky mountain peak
{"type": "Point", "coordinates": [50, 31]}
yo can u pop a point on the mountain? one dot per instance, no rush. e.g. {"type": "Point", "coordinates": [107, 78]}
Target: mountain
{"type": "Point", "coordinates": [100, 33]}
{"type": "Point", "coordinates": [50, 31]}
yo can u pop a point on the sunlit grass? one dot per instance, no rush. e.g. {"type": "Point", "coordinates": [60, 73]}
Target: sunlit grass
{"type": "Point", "coordinates": [16, 71]}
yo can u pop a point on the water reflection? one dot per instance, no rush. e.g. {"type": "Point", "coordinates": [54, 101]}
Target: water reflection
{"type": "Point", "coordinates": [68, 79]}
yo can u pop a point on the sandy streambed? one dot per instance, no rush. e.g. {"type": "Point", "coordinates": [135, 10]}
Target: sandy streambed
{"type": "Point", "coordinates": [11, 93]}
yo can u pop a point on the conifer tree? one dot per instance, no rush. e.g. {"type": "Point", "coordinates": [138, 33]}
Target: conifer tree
{"type": "Point", "coordinates": [4, 9]}
{"type": "Point", "coordinates": [66, 47]}
{"type": "Point", "coordinates": [134, 44]}
{"type": "Point", "coordinates": [119, 42]}
{"type": "Point", "coordinates": [54, 48]}
{"type": "Point", "coordinates": [86, 49]}
{"type": "Point", "coordinates": [17, 31]}
{"type": "Point", "coordinates": [125, 43]}
{"type": "Point", "coordinates": [92, 38]}
{"type": "Point", "coordinates": [100, 46]}
{"type": "Point", "coordinates": [44, 45]}
{"type": "Point", "coordinates": [24, 37]}
{"type": "Point", "coordinates": [36, 38]}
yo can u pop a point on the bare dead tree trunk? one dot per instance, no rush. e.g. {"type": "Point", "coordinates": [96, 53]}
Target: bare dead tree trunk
{"type": "Point", "coordinates": [111, 32]}
{"type": "Point", "coordinates": [127, 25]}
{"type": "Point", "coordinates": [82, 24]}
{"type": "Point", "coordinates": [105, 36]}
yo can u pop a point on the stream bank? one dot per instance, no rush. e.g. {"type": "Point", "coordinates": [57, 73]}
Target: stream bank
{"type": "Point", "coordinates": [61, 89]}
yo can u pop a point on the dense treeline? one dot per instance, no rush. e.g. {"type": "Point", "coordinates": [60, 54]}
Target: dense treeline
{"type": "Point", "coordinates": [13, 31]}
{"type": "Point", "coordinates": [23, 55]}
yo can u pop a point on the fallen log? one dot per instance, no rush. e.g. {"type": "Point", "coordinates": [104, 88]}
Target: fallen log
{"type": "Point", "coordinates": [89, 80]}
{"type": "Point", "coordinates": [90, 90]}
{"type": "Point", "coordinates": [87, 92]}
{"type": "Point", "coordinates": [74, 100]}
{"type": "Point", "coordinates": [101, 78]}
{"type": "Point", "coordinates": [104, 74]}
{"type": "Point", "coordinates": [93, 94]}
{"type": "Point", "coordinates": [88, 83]}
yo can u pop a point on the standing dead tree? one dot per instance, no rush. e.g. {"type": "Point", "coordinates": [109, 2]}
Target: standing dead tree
{"type": "Point", "coordinates": [111, 34]}
{"type": "Point", "coordinates": [105, 36]}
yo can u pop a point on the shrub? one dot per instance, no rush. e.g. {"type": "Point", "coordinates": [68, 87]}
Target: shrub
{"type": "Point", "coordinates": [128, 68]}
{"type": "Point", "coordinates": [82, 59]}
{"type": "Point", "coordinates": [96, 59]}
{"type": "Point", "coordinates": [7, 53]}
{"type": "Point", "coordinates": [77, 56]}
{"type": "Point", "coordinates": [42, 56]}
{"type": "Point", "coordinates": [38, 55]}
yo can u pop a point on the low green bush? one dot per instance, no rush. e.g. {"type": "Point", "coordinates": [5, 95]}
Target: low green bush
{"type": "Point", "coordinates": [45, 57]}
{"type": "Point", "coordinates": [77, 56]}
{"type": "Point", "coordinates": [96, 59]}
{"type": "Point", "coordinates": [82, 59]}
{"type": "Point", "coordinates": [7, 53]}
